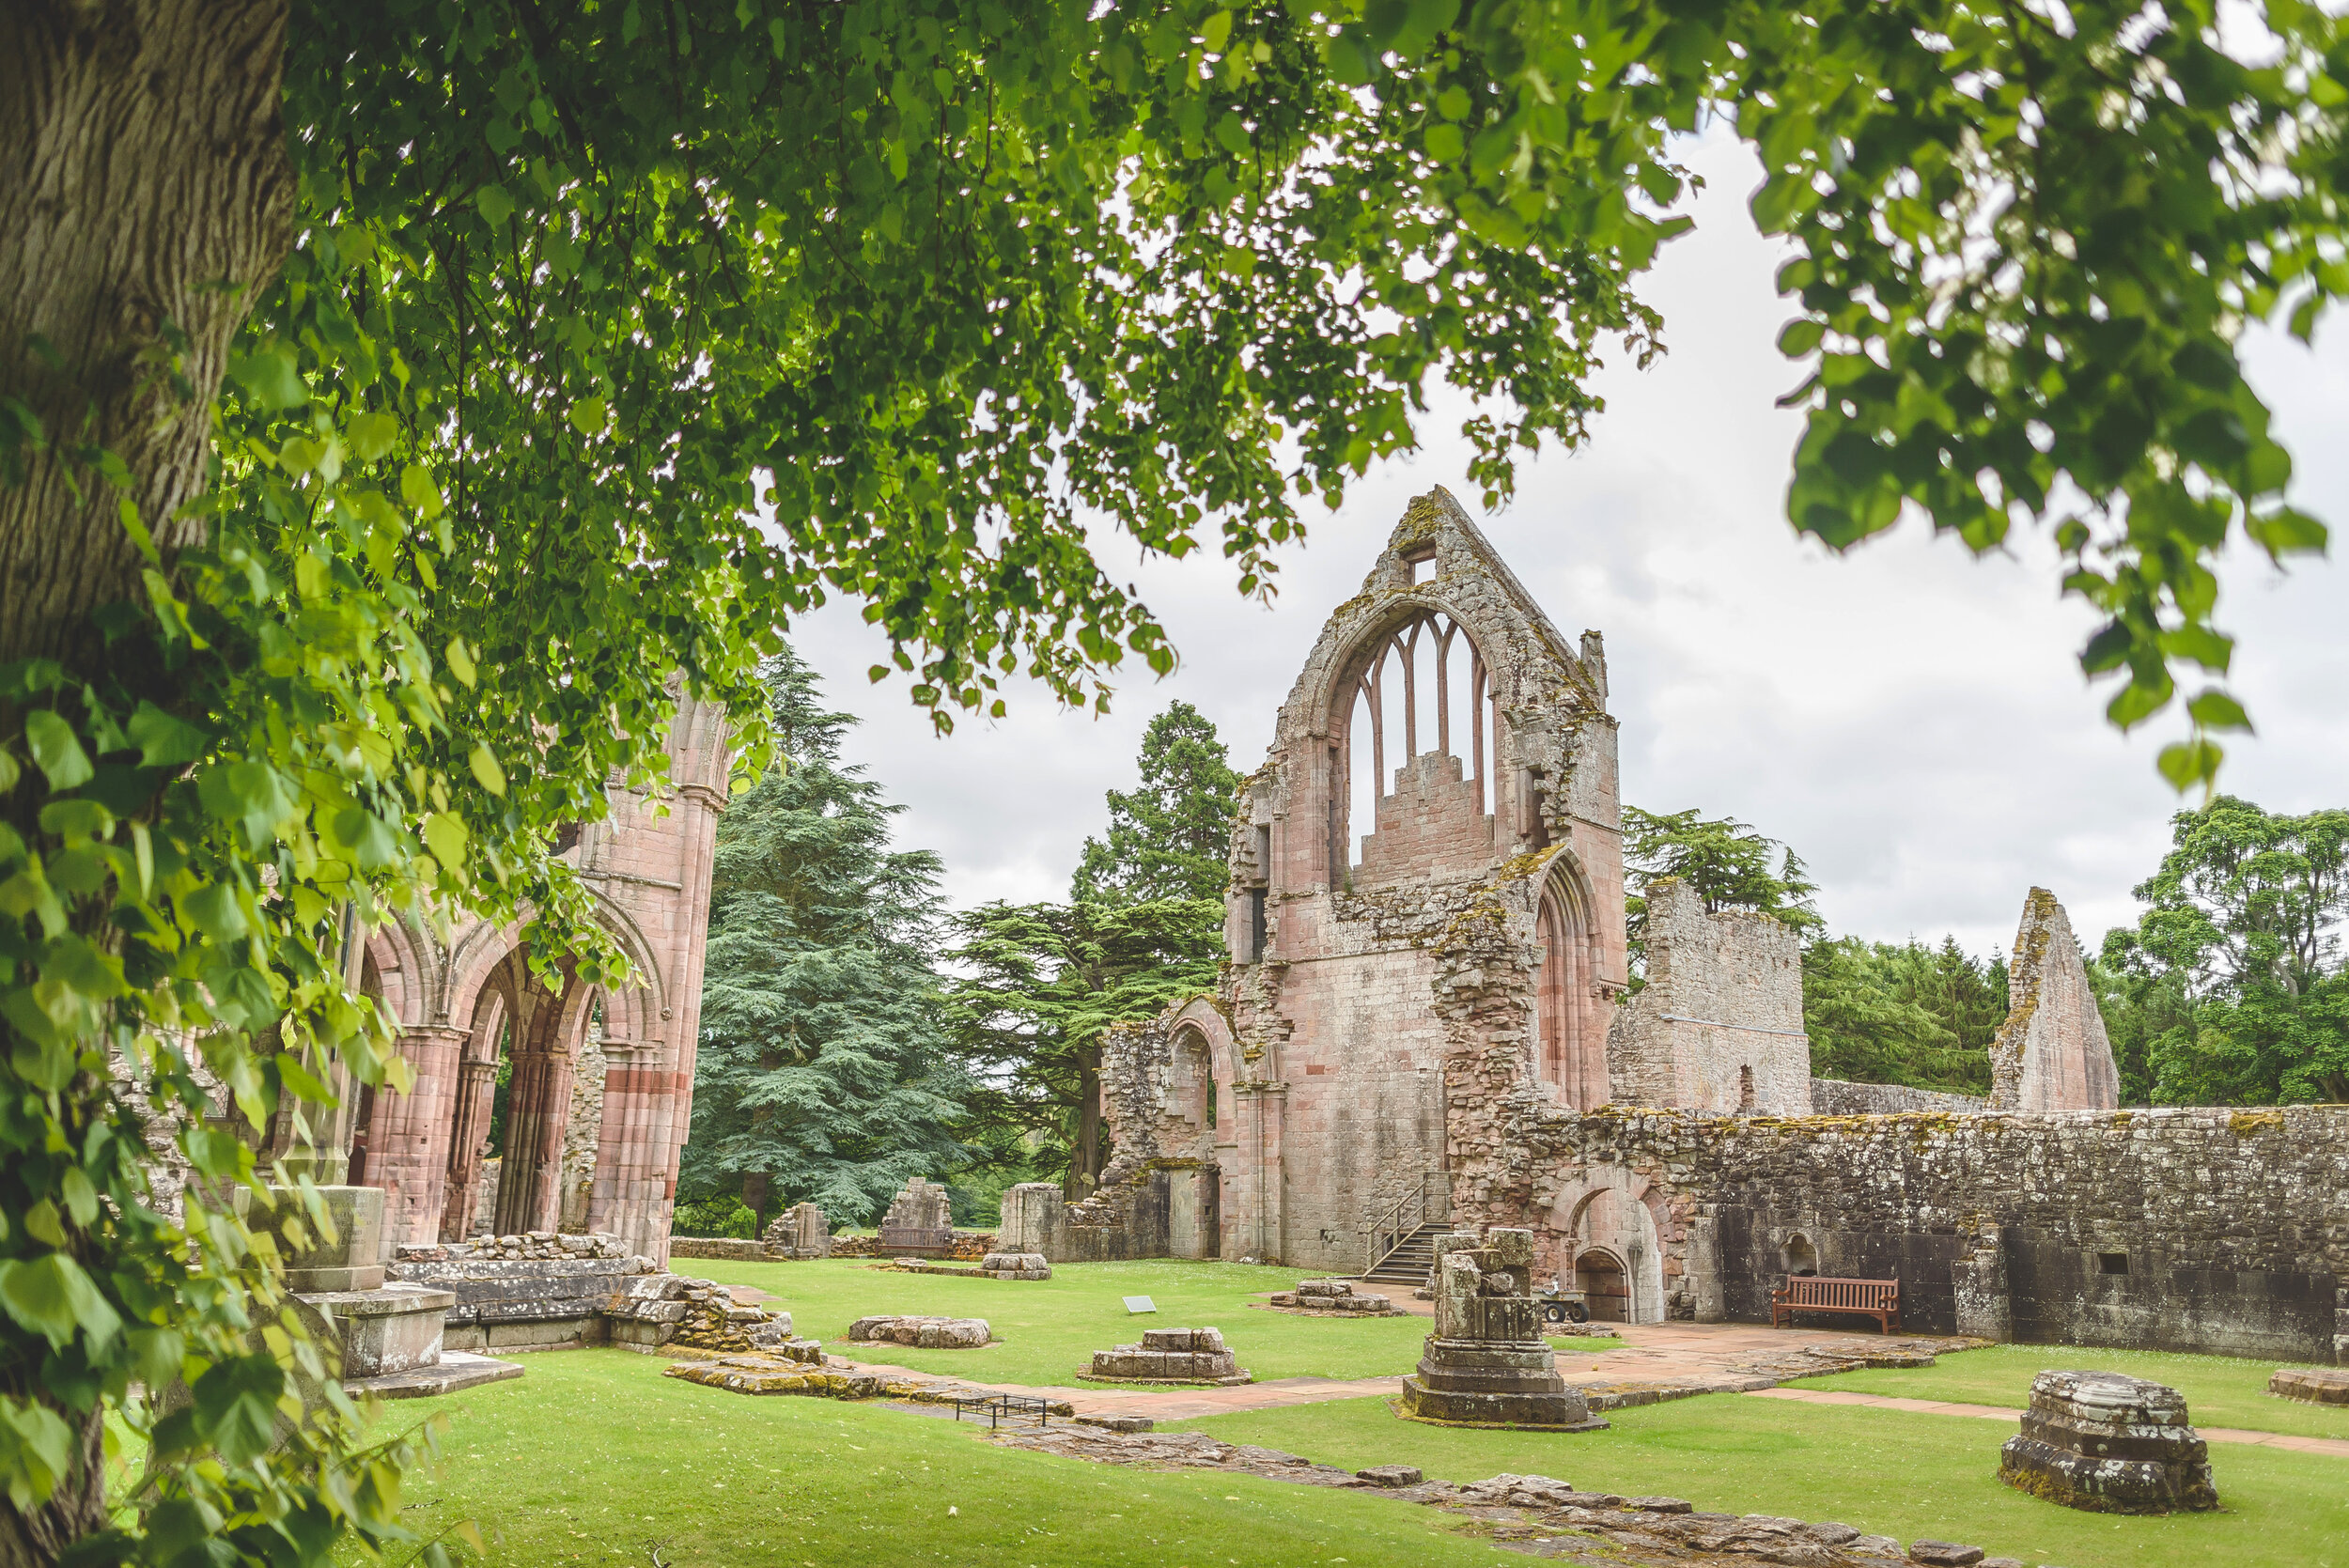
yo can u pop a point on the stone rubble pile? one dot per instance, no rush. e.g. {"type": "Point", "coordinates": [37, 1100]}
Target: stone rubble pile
{"type": "Point", "coordinates": [800, 1231]}
{"type": "Point", "coordinates": [685, 1313]}
{"type": "Point", "coordinates": [2108, 1443]}
{"type": "Point", "coordinates": [535, 1246]}
{"type": "Point", "coordinates": [1015, 1265]}
{"type": "Point", "coordinates": [1335, 1298]}
{"type": "Point", "coordinates": [1530, 1511]}
{"type": "Point", "coordinates": [924, 1333]}
{"type": "Point", "coordinates": [784, 1371]}
{"type": "Point", "coordinates": [1169, 1355]}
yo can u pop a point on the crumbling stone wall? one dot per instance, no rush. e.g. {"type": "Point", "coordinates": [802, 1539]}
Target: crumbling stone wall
{"type": "Point", "coordinates": [2186, 1229]}
{"type": "Point", "coordinates": [583, 1133]}
{"type": "Point", "coordinates": [1392, 995]}
{"type": "Point", "coordinates": [2052, 1053]}
{"type": "Point", "coordinates": [1718, 1024]}
{"type": "Point", "coordinates": [1832, 1097]}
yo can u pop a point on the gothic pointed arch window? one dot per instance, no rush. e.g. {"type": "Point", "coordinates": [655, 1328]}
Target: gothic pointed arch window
{"type": "Point", "coordinates": [1569, 1016]}
{"type": "Point", "coordinates": [1417, 718]}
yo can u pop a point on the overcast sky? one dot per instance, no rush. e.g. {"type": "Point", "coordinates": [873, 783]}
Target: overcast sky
{"type": "Point", "coordinates": [1910, 719]}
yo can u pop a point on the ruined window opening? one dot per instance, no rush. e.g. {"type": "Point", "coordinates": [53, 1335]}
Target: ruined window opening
{"type": "Point", "coordinates": [1745, 1088]}
{"type": "Point", "coordinates": [1256, 924]}
{"type": "Point", "coordinates": [2113, 1263]}
{"type": "Point", "coordinates": [1422, 563]}
{"type": "Point", "coordinates": [1570, 1033]}
{"type": "Point", "coordinates": [1422, 685]}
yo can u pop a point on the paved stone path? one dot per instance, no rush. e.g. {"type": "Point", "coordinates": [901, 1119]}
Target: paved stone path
{"type": "Point", "coordinates": [2336, 1447]}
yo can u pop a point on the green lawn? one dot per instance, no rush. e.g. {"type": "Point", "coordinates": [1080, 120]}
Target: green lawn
{"type": "Point", "coordinates": [2220, 1391]}
{"type": "Point", "coordinates": [1051, 1328]}
{"type": "Point", "coordinates": [1885, 1472]}
{"type": "Point", "coordinates": [594, 1458]}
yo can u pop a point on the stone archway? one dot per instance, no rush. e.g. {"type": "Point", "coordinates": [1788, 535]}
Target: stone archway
{"type": "Point", "coordinates": [1599, 1274]}
{"type": "Point", "coordinates": [1610, 1211]}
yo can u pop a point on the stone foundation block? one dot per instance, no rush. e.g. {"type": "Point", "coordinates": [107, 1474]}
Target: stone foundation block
{"type": "Point", "coordinates": [923, 1333]}
{"type": "Point", "coordinates": [2108, 1444]}
{"type": "Point", "coordinates": [2316, 1385]}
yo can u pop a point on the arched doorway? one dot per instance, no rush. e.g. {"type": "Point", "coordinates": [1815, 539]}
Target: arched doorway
{"type": "Point", "coordinates": [1601, 1276]}
{"type": "Point", "coordinates": [1569, 1023]}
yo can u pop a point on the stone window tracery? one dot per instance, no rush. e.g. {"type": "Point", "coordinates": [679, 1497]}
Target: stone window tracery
{"type": "Point", "coordinates": [1422, 690]}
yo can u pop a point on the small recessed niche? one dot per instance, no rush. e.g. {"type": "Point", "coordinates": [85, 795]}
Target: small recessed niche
{"type": "Point", "coordinates": [2113, 1263]}
{"type": "Point", "coordinates": [1422, 565]}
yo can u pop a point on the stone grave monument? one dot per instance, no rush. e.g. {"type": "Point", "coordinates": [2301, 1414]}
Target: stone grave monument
{"type": "Point", "coordinates": [2108, 1443]}
{"type": "Point", "coordinates": [1169, 1355]}
{"type": "Point", "coordinates": [386, 1338]}
{"type": "Point", "coordinates": [800, 1232]}
{"type": "Point", "coordinates": [1486, 1364]}
{"type": "Point", "coordinates": [919, 1225]}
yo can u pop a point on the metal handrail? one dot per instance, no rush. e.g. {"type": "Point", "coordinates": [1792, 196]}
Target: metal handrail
{"type": "Point", "coordinates": [1390, 1222]}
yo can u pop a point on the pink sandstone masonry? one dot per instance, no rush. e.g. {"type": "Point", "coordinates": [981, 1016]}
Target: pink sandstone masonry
{"type": "Point", "coordinates": [601, 1088]}
{"type": "Point", "coordinates": [2052, 1053]}
{"type": "Point", "coordinates": [1718, 1024]}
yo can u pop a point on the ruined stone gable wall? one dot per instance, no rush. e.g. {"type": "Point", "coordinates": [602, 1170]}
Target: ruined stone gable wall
{"type": "Point", "coordinates": [1722, 1013]}
{"type": "Point", "coordinates": [1390, 1003]}
{"type": "Point", "coordinates": [2052, 1052]}
{"type": "Point", "coordinates": [2195, 1230]}
{"type": "Point", "coordinates": [1832, 1096]}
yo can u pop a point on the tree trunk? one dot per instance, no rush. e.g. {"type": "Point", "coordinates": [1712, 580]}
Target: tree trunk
{"type": "Point", "coordinates": [757, 1186]}
{"type": "Point", "coordinates": [145, 197]}
{"type": "Point", "coordinates": [144, 190]}
{"type": "Point", "coordinates": [1084, 1171]}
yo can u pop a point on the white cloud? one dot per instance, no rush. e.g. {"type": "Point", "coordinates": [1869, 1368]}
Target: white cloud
{"type": "Point", "coordinates": [1910, 719]}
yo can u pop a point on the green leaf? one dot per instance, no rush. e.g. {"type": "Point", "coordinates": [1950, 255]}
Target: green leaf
{"type": "Point", "coordinates": [216, 910]}
{"type": "Point", "coordinates": [461, 662]}
{"type": "Point", "coordinates": [2187, 763]}
{"type": "Point", "coordinates": [589, 416]}
{"type": "Point", "coordinates": [51, 1296]}
{"type": "Point", "coordinates": [2215, 710]}
{"type": "Point", "coordinates": [495, 205]}
{"type": "Point", "coordinates": [271, 378]}
{"type": "Point", "coordinates": [56, 750]}
{"type": "Point", "coordinates": [446, 836]}
{"type": "Point", "coordinates": [1444, 142]}
{"type": "Point", "coordinates": [484, 764]}
{"type": "Point", "coordinates": [372, 841]}
{"type": "Point", "coordinates": [418, 490]}
{"type": "Point", "coordinates": [236, 1405]}
{"type": "Point", "coordinates": [36, 1451]}
{"type": "Point", "coordinates": [164, 740]}
{"type": "Point", "coordinates": [1800, 337]}
{"type": "Point", "coordinates": [371, 435]}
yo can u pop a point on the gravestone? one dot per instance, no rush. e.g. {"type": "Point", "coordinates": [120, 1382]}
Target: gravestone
{"type": "Point", "coordinates": [2108, 1443]}
{"type": "Point", "coordinates": [919, 1223]}
{"type": "Point", "coordinates": [1486, 1364]}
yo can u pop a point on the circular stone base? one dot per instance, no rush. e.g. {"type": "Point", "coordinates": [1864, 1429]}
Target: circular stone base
{"type": "Point", "coordinates": [1514, 1412]}
{"type": "Point", "coordinates": [1086, 1376]}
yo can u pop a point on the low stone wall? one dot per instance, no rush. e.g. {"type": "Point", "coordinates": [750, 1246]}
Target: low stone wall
{"type": "Point", "coordinates": [541, 1292]}
{"type": "Point", "coordinates": [970, 1247]}
{"type": "Point", "coordinates": [1136, 1214]}
{"type": "Point", "coordinates": [2189, 1229]}
{"type": "Point", "coordinates": [1834, 1097]}
{"type": "Point", "coordinates": [718, 1247]}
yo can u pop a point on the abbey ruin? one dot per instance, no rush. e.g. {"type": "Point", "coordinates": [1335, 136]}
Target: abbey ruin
{"type": "Point", "coordinates": [1423, 1024]}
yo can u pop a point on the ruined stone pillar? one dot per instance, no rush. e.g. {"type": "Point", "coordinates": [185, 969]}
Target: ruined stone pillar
{"type": "Point", "coordinates": [1262, 1233]}
{"type": "Point", "coordinates": [1707, 1294]}
{"type": "Point", "coordinates": [468, 1137]}
{"type": "Point", "coordinates": [538, 1102]}
{"type": "Point", "coordinates": [408, 1135]}
{"type": "Point", "coordinates": [1978, 1284]}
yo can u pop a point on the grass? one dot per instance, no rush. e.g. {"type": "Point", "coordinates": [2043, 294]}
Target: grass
{"type": "Point", "coordinates": [1051, 1328]}
{"type": "Point", "coordinates": [2220, 1391]}
{"type": "Point", "coordinates": [593, 1458]}
{"type": "Point", "coordinates": [1885, 1472]}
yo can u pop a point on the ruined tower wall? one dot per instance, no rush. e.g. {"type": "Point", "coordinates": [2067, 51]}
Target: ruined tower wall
{"type": "Point", "coordinates": [2202, 1230]}
{"type": "Point", "coordinates": [2052, 1052]}
{"type": "Point", "coordinates": [1718, 1024]}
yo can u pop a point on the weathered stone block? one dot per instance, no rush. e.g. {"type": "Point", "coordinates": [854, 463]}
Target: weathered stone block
{"type": "Point", "coordinates": [2110, 1444]}
{"type": "Point", "coordinates": [1391, 1475]}
{"type": "Point", "coordinates": [2316, 1385]}
{"type": "Point", "coordinates": [923, 1333]}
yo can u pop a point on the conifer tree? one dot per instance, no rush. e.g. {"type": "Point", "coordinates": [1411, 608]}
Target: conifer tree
{"type": "Point", "coordinates": [822, 1074]}
{"type": "Point", "coordinates": [1170, 837]}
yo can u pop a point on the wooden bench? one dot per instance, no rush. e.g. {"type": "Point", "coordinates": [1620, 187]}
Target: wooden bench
{"type": "Point", "coordinates": [1876, 1298]}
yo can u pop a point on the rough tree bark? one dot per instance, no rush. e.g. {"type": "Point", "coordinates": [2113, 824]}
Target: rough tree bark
{"type": "Point", "coordinates": [144, 194]}
{"type": "Point", "coordinates": [144, 186]}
